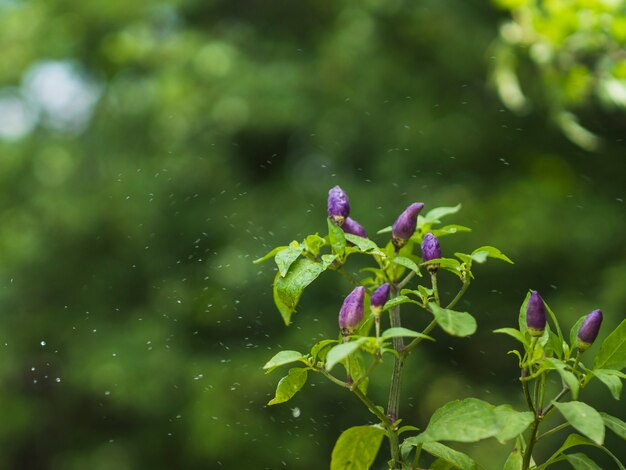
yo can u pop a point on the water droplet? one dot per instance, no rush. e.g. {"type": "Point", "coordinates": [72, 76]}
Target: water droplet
{"type": "Point", "coordinates": [295, 412]}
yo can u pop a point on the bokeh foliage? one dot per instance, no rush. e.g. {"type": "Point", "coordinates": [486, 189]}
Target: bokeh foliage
{"type": "Point", "coordinates": [134, 324]}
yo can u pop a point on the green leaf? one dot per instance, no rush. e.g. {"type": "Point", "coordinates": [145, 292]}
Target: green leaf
{"type": "Point", "coordinates": [469, 420]}
{"type": "Point", "coordinates": [336, 237]}
{"type": "Point", "coordinates": [555, 321]}
{"type": "Point", "coordinates": [576, 440]}
{"type": "Point", "coordinates": [514, 460]}
{"type": "Point", "coordinates": [384, 230]}
{"type": "Point", "coordinates": [513, 333]}
{"type": "Point", "coordinates": [438, 212]}
{"type": "Point", "coordinates": [583, 418]}
{"type": "Point", "coordinates": [523, 327]}
{"type": "Point", "coordinates": [401, 299]}
{"type": "Point", "coordinates": [452, 322]}
{"type": "Point", "coordinates": [512, 423]}
{"type": "Point", "coordinates": [614, 424]}
{"type": "Point", "coordinates": [289, 385]}
{"type": "Point", "coordinates": [288, 289]}
{"type": "Point", "coordinates": [407, 263]}
{"type": "Point", "coordinates": [356, 448]}
{"type": "Point", "coordinates": [283, 357]}
{"type": "Point", "coordinates": [582, 462]}
{"type": "Point", "coordinates": [573, 333]}
{"type": "Point", "coordinates": [449, 230]}
{"type": "Point", "coordinates": [449, 264]}
{"type": "Point", "coordinates": [314, 243]}
{"type": "Point", "coordinates": [341, 351]}
{"type": "Point", "coordinates": [285, 258]}
{"type": "Point", "coordinates": [568, 378]}
{"type": "Point", "coordinates": [321, 348]}
{"type": "Point", "coordinates": [613, 382]}
{"type": "Point", "coordinates": [270, 254]}
{"type": "Point", "coordinates": [355, 366]}
{"type": "Point", "coordinates": [612, 354]}
{"type": "Point", "coordinates": [491, 252]}
{"type": "Point", "coordinates": [405, 332]}
{"type": "Point", "coordinates": [364, 244]}
{"type": "Point", "coordinates": [457, 459]}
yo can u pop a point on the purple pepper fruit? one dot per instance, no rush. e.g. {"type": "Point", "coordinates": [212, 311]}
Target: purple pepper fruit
{"type": "Point", "coordinates": [431, 250]}
{"type": "Point", "coordinates": [379, 298]}
{"type": "Point", "coordinates": [338, 205]}
{"type": "Point", "coordinates": [589, 330]}
{"type": "Point", "coordinates": [404, 226]}
{"type": "Point", "coordinates": [536, 314]}
{"type": "Point", "coordinates": [353, 227]}
{"type": "Point", "coordinates": [351, 312]}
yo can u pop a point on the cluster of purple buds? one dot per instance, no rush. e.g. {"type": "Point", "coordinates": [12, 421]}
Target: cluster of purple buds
{"type": "Point", "coordinates": [339, 212]}
{"type": "Point", "coordinates": [431, 250]}
{"type": "Point", "coordinates": [404, 226]}
{"type": "Point", "coordinates": [351, 313]}
{"type": "Point", "coordinates": [536, 315]}
{"type": "Point", "coordinates": [588, 331]}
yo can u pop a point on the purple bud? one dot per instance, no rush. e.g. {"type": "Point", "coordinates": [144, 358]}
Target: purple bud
{"type": "Point", "coordinates": [589, 330]}
{"type": "Point", "coordinates": [353, 227]}
{"type": "Point", "coordinates": [379, 298]}
{"type": "Point", "coordinates": [405, 224]}
{"type": "Point", "coordinates": [351, 312]}
{"type": "Point", "coordinates": [536, 314]}
{"type": "Point", "coordinates": [431, 250]}
{"type": "Point", "coordinates": [338, 205]}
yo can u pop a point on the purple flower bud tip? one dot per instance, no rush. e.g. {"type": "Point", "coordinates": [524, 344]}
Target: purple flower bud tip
{"type": "Point", "coordinates": [338, 205]}
{"type": "Point", "coordinates": [431, 250]}
{"type": "Point", "coordinates": [379, 298]}
{"type": "Point", "coordinates": [536, 314]}
{"type": "Point", "coordinates": [351, 312]}
{"type": "Point", "coordinates": [353, 227]}
{"type": "Point", "coordinates": [589, 330]}
{"type": "Point", "coordinates": [404, 226]}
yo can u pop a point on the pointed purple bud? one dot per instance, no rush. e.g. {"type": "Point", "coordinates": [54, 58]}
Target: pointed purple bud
{"type": "Point", "coordinates": [353, 227]}
{"type": "Point", "coordinates": [536, 314]}
{"type": "Point", "coordinates": [379, 298]}
{"type": "Point", "coordinates": [404, 226]}
{"type": "Point", "coordinates": [431, 250]}
{"type": "Point", "coordinates": [589, 330]}
{"type": "Point", "coordinates": [351, 312]}
{"type": "Point", "coordinates": [338, 205]}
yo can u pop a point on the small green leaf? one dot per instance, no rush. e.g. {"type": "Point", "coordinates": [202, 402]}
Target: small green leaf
{"type": "Point", "coordinates": [614, 424]}
{"type": "Point", "coordinates": [457, 459]}
{"type": "Point", "coordinates": [583, 418]}
{"type": "Point", "coordinates": [573, 333]}
{"type": "Point", "coordinates": [341, 351]}
{"type": "Point", "coordinates": [404, 429]}
{"type": "Point", "coordinates": [449, 230]}
{"type": "Point", "coordinates": [514, 460]}
{"type": "Point", "coordinates": [384, 230]}
{"type": "Point", "coordinates": [288, 289]}
{"type": "Point", "coordinates": [407, 263]}
{"type": "Point", "coordinates": [289, 385]}
{"type": "Point", "coordinates": [321, 348]}
{"type": "Point", "coordinates": [449, 264]}
{"type": "Point", "coordinates": [314, 243]}
{"type": "Point", "coordinates": [452, 322]}
{"type": "Point", "coordinates": [491, 252]}
{"type": "Point", "coordinates": [283, 357]}
{"type": "Point", "coordinates": [364, 244]}
{"type": "Point", "coordinates": [512, 423]}
{"type": "Point", "coordinates": [612, 354]}
{"type": "Point", "coordinates": [285, 258]}
{"type": "Point", "coordinates": [356, 448]}
{"type": "Point", "coordinates": [405, 332]}
{"type": "Point", "coordinates": [576, 440]}
{"type": "Point", "coordinates": [513, 333]}
{"type": "Point", "coordinates": [336, 237]}
{"type": "Point", "coordinates": [581, 462]}
{"type": "Point", "coordinates": [568, 378]}
{"type": "Point", "coordinates": [523, 327]}
{"type": "Point", "coordinates": [613, 382]}
{"type": "Point", "coordinates": [355, 367]}
{"type": "Point", "coordinates": [555, 321]}
{"type": "Point", "coordinates": [401, 299]}
{"type": "Point", "coordinates": [469, 420]}
{"type": "Point", "coordinates": [437, 213]}
{"type": "Point", "coordinates": [270, 254]}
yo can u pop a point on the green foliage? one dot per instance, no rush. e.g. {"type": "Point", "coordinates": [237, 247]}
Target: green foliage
{"type": "Point", "coordinates": [356, 448]}
{"type": "Point", "coordinates": [455, 458]}
{"type": "Point", "coordinates": [612, 354]}
{"type": "Point", "coordinates": [453, 323]}
{"type": "Point", "coordinates": [289, 385]}
{"type": "Point", "coordinates": [584, 418]}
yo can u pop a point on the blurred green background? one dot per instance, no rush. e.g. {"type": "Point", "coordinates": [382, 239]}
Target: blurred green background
{"type": "Point", "coordinates": [149, 151]}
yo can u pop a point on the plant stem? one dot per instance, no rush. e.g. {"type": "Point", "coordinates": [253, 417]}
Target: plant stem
{"type": "Point", "coordinates": [356, 384]}
{"type": "Point", "coordinates": [459, 295]}
{"type": "Point", "coordinates": [549, 408]}
{"type": "Point", "coordinates": [348, 276]}
{"type": "Point", "coordinates": [529, 400]}
{"type": "Point", "coordinates": [433, 279]}
{"type": "Point", "coordinates": [396, 381]}
{"type": "Point", "coordinates": [552, 431]}
{"type": "Point", "coordinates": [406, 280]}
{"type": "Point", "coordinates": [416, 341]}
{"type": "Point", "coordinates": [531, 444]}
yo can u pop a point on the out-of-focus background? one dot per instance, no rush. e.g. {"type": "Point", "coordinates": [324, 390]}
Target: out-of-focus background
{"type": "Point", "coordinates": [149, 151]}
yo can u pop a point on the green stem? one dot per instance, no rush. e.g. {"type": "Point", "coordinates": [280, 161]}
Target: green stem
{"type": "Point", "coordinates": [459, 295]}
{"type": "Point", "coordinates": [417, 341]}
{"type": "Point", "coordinates": [550, 407]}
{"type": "Point", "coordinates": [393, 405]}
{"type": "Point", "coordinates": [373, 366]}
{"type": "Point", "coordinates": [406, 280]}
{"type": "Point", "coordinates": [531, 444]}
{"type": "Point", "coordinates": [552, 431]}
{"type": "Point", "coordinates": [529, 400]}
{"type": "Point", "coordinates": [418, 452]}
{"type": "Point", "coordinates": [377, 323]}
{"type": "Point", "coordinates": [433, 279]}
{"type": "Point", "coordinates": [348, 276]}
